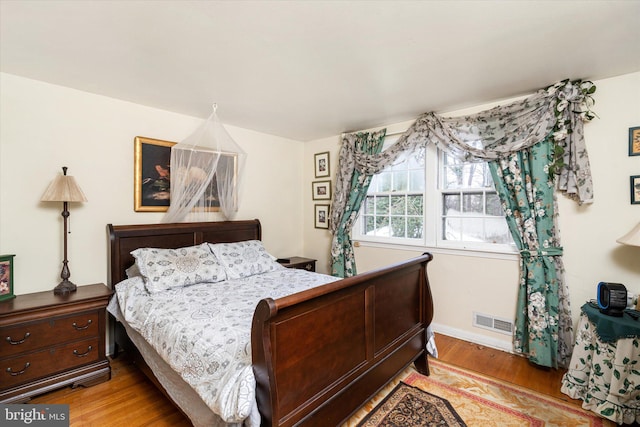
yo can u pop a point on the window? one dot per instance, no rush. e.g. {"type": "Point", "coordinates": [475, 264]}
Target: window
{"type": "Point", "coordinates": [429, 198]}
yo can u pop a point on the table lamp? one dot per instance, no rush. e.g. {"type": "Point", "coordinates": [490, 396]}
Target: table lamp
{"type": "Point", "coordinates": [64, 189]}
{"type": "Point", "coordinates": [632, 238]}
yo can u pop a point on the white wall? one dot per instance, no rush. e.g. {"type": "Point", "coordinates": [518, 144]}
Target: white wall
{"type": "Point", "coordinates": [463, 284]}
{"type": "Point", "coordinates": [44, 127]}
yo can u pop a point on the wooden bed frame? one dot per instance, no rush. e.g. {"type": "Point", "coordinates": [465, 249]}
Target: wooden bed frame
{"type": "Point", "coordinates": [320, 354]}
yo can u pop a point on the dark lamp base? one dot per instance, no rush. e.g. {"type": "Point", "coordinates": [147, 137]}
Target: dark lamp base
{"type": "Point", "coordinates": [65, 287]}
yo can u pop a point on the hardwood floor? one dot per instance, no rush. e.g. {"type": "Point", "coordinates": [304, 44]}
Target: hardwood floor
{"type": "Point", "coordinates": [130, 400]}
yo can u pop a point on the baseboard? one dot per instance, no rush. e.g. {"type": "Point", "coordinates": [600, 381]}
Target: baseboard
{"type": "Point", "coordinates": [471, 337]}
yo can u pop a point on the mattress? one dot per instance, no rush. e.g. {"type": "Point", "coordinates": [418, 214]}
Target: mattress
{"type": "Point", "coordinates": [203, 333]}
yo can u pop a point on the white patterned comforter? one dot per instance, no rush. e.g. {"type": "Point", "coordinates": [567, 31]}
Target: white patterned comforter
{"type": "Point", "coordinates": [204, 331]}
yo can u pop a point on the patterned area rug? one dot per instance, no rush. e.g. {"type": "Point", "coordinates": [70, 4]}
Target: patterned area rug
{"type": "Point", "coordinates": [483, 401]}
{"type": "Point", "coordinates": [408, 406]}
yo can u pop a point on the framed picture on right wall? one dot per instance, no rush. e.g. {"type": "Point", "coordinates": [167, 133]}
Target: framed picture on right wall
{"type": "Point", "coordinates": [635, 189]}
{"type": "Point", "coordinates": [634, 141]}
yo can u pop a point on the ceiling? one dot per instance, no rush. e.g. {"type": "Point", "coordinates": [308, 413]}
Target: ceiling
{"type": "Point", "coordinates": [311, 69]}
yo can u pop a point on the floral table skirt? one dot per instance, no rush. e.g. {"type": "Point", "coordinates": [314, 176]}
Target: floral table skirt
{"type": "Point", "coordinates": [605, 375]}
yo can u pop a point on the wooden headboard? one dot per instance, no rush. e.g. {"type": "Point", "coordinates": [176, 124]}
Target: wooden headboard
{"type": "Point", "coordinates": [125, 238]}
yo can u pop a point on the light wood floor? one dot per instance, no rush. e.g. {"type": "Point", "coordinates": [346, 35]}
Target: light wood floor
{"type": "Point", "coordinates": [130, 400]}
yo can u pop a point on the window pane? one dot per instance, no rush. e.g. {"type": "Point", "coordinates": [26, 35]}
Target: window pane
{"type": "Point", "coordinates": [384, 182]}
{"type": "Point", "coordinates": [400, 181]}
{"type": "Point", "coordinates": [369, 224]}
{"type": "Point", "coordinates": [415, 227]}
{"type": "Point", "coordinates": [416, 161]}
{"type": "Point", "coordinates": [497, 231]}
{"type": "Point", "coordinates": [382, 226]}
{"type": "Point", "coordinates": [451, 229]}
{"type": "Point", "coordinates": [472, 203]}
{"type": "Point", "coordinates": [494, 207]}
{"type": "Point", "coordinates": [451, 204]}
{"type": "Point", "coordinates": [466, 175]}
{"type": "Point", "coordinates": [397, 226]}
{"type": "Point", "coordinates": [415, 205]}
{"type": "Point", "coordinates": [416, 180]}
{"type": "Point", "coordinates": [382, 205]}
{"type": "Point", "coordinates": [368, 205]}
{"type": "Point", "coordinates": [473, 230]}
{"type": "Point", "coordinates": [398, 205]}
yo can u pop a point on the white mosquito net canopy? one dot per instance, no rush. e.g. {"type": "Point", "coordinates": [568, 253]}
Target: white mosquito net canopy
{"type": "Point", "coordinates": [205, 174]}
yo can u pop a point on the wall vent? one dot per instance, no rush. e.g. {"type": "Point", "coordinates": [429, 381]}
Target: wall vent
{"type": "Point", "coordinates": [492, 323]}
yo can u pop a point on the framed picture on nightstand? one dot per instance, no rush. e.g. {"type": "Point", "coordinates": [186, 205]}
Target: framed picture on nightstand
{"type": "Point", "coordinates": [6, 277]}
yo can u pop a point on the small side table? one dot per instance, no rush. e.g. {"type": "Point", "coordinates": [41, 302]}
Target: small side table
{"type": "Point", "coordinates": [49, 341]}
{"type": "Point", "coordinates": [299, 263]}
{"type": "Point", "coordinates": [604, 371]}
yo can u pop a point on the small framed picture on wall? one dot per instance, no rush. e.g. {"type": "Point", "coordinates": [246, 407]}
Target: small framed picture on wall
{"type": "Point", "coordinates": [321, 216]}
{"type": "Point", "coordinates": [634, 141]}
{"type": "Point", "coordinates": [321, 164]}
{"type": "Point", "coordinates": [635, 189]}
{"type": "Point", "coordinates": [321, 190]}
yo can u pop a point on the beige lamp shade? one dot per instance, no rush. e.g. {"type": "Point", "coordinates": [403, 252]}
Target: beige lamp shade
{"type": "Point", "coordinates": [632, 238]}
{"type": "Point", "coordinates": [63, 189]}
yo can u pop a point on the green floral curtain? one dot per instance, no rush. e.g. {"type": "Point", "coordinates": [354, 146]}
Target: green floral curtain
{"type": "Point", "coordinates": [351, 189]}
{"type": "Point", "coordinates": [526, 189]}
{"type": "Point", "coordinates": [537, 144]}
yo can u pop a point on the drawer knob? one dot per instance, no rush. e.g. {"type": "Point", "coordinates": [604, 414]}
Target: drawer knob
{"type": "Point", "coordinates": [12, 342]}
{"type": "Point", "coordinates": [13, 374]}
{"type": "Point", "coordinates": [308, 267]}
{"type": "Point", "coordinates": [80, 328]}
{"type": "Point", "coordinates": [83, 354]}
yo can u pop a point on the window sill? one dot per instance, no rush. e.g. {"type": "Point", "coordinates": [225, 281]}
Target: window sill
{"type": "Point", "coordinates": [467, 252]}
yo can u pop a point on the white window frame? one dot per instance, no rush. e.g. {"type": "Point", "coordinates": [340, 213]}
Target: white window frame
{"type": "Point", "coordinates": [432, 239]}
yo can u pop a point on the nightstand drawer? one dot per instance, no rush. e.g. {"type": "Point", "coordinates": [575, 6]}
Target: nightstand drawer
{"type": "Point", "coordinates": [24, 368]}
{"type": "Point", "coordinates": [47, 333]}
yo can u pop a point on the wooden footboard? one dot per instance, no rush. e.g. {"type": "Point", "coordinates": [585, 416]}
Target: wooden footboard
{"type": "Point", "coordinates": [320, 354]}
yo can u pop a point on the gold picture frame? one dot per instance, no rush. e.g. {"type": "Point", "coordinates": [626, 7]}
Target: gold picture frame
{"type": "Point", "coordinates": [634, 141]}
{"type": "Point", "coordinates": [151, 174]}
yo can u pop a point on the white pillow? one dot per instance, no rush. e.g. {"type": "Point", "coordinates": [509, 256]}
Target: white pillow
{"type": "Point", "coordinates": [164, 269]}
{"type": "Point", "coordinates": [244, 259]}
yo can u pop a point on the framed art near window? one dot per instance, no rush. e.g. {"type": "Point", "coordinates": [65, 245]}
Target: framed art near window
{"type": "Point", "coordinates": [321, 216]}
{"type": "Point", "coordinates": [635, 189]}
{"type": "Point", "coordinates": [151, 174]}
{"type": "Point", "coordinates": [634, 141]}
{"type": "Point", "coordinates": [6, 277]}
{"type": "Point", "coordinates": [321, 164]}
{"type": "Point", "coordinates": [321, 190]}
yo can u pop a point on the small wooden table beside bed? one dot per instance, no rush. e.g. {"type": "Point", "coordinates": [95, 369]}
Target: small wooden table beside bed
{"type": "Point", "coordinates": [306, 348]}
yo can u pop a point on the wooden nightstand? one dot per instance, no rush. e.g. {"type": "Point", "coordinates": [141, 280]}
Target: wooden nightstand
{"type": "Point", "coordinates": [49, 341]}
{"type": "Point", "coordinates": [299, 263]}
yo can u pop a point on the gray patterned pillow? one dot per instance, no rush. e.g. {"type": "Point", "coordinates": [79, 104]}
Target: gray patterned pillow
{"type": "Point", "coordinates": [164, 269]}
{"type": "Point", "coordinates": [244, 259]}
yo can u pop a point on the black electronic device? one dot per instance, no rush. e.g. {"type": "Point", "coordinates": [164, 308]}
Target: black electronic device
{"type": "Point", "coordinates": [612, 298]}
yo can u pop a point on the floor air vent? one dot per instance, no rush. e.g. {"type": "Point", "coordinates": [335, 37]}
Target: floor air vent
{"type": "Point", "coordinates": [495, 324]}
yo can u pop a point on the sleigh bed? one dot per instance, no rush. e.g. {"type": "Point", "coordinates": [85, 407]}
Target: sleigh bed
{"type": "Point", "coordinates": [317, 355]}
